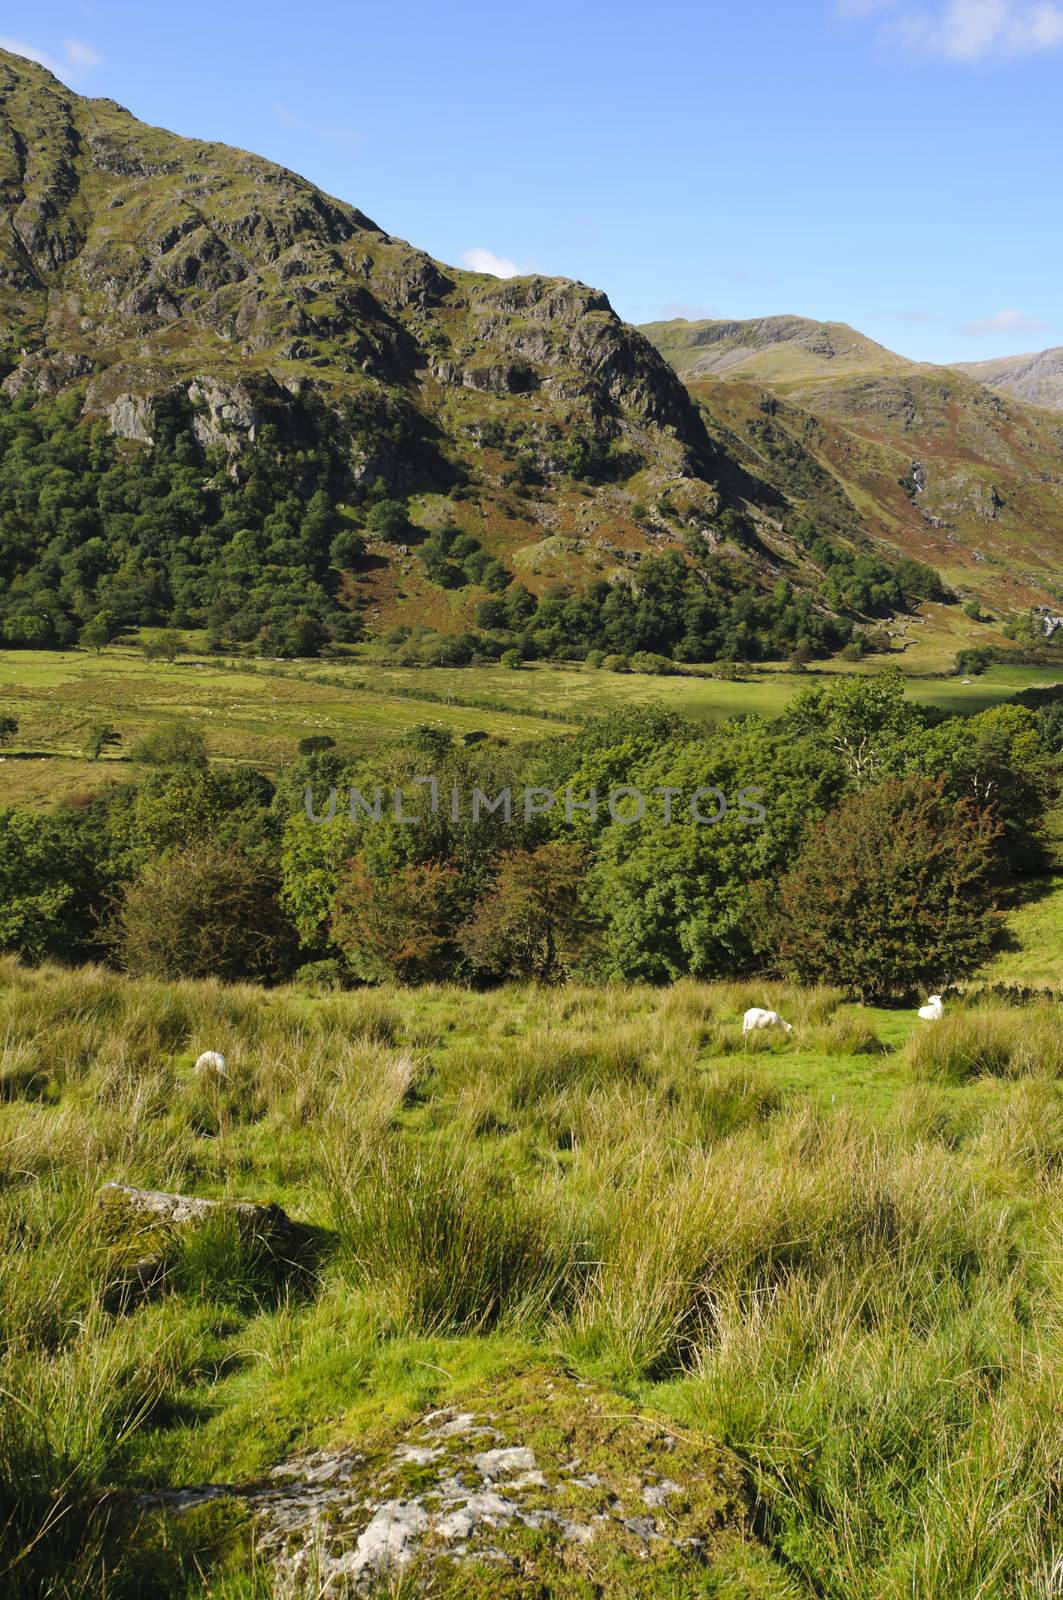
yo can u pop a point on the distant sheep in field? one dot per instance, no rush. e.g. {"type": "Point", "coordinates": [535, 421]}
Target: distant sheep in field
{"type": "Point", "coordinates": [757, 1017]}
{"type": "Point", "coordinates": [212, 1061]}
{"type": "Point", "coordinates": [933, 1011]}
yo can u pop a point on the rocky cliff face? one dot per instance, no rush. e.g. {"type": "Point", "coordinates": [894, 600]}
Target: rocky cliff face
{"type": "Point", "coordinates": [147, 263]}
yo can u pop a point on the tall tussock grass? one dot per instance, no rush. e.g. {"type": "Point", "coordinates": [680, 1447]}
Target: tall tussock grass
{"type": "Point", "coordinates": [448, 1245]}
{"type": "Point", "coordinates": [1000, 1042]}
{"type": "Point", "coordinates": [862, 1301]}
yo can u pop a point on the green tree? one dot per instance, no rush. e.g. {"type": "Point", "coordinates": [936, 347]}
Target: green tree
{"type": "Point", "coordinates": [48, 883]}
{"type": "Point", "coordinates": [865, 722]}
{"type": "Point", "coordinates": [388, 520]}
{"type": "Point", "coordinates": [347, 550]}
{"type": "Point", "coordinates": [175, 806]}
{"type": "Point", "coordinates": [97, 633]}
{"type": "Point", "coordinates": [892, 893]}
{"type": "Point", "coordinates": [101, 738]}
{"type": "Point", "coordinates": [672, 890]}
{"type": "Point", "coordinates": [175, 744]}
{"type": "Point", "coordinates": [165, 646]}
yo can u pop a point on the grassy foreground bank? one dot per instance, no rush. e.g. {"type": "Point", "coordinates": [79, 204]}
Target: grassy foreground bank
{"type": "Point", "coordinates": [833, 1258]}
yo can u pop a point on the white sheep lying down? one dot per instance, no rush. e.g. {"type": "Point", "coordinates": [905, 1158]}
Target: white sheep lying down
{"type": "Point", "coordinates": [933, 1011]}
{"type": "Point", "coordinates": [757, 1017]}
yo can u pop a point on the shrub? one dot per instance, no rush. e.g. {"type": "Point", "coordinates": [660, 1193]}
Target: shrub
{"type": "Point", "coordinates": [647, 661]}
{"type": "Point", "coordinates": [165, 646]}
{"type": "Point", "coordinates": [615, 663]}
{"type": "Point", "coordinates": [203, 912]}
{"type": "Point", "coordinates": [891, 893]}
{"type": "Point", "coordinates": [175, 744]}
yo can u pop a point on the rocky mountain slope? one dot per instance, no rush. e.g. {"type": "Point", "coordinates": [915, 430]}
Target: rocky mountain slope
{"type": "Point", "coordinates": [1037, 379]}
{"type": "Point", "coordinates": [207, 305]}
{"type": "Point", "coordinates": [143, 266]}
{"type": "Point", "coordinates": [929, 459]}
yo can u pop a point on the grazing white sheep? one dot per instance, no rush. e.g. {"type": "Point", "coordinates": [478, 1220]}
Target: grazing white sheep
{"type": "Point", "coordinates": [212, 1061]}
{"type": "Point", "coordinates": [933, 1011]}
{"type": "Point", "coordinates": [757, 1017]}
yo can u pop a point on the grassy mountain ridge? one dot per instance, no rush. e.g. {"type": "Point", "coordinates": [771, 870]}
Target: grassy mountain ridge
{"type": "Point", "coordinates": [780, 350]}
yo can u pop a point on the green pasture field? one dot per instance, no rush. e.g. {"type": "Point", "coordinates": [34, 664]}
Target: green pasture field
{"type": "Point", "coordinates": [258, 712]}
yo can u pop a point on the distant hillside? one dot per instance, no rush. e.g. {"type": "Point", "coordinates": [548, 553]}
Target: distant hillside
{"type": "Point", "coordinates": [927, 458]}
{"type": "Point", "coordinates": [1037, 379]}
{"type": "Point", "coordinates": [230, 401]}
{"type": "Point", "coordinates": [779, 350]}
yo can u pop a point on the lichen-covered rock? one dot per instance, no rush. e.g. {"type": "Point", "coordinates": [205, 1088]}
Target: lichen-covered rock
{"type": "Point", "coordinates": [547, 1485]}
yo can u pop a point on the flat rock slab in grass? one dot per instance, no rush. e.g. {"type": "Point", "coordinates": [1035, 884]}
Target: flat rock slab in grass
{"type": "Point", "coordinates": [548, 1486]}
{"type": "Point", "coordinates": [153, 1204]}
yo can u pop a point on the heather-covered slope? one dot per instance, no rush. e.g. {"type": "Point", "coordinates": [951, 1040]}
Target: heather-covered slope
{"type": "Point", "coordinates": [924, 459]}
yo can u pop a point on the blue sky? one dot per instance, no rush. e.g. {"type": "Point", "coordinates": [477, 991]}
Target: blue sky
{"type": "Point", "coordinates": [888, 163]}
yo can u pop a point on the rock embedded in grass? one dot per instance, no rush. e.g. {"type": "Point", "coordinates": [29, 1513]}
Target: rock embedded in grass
{"type": "Point", "coordinates": [147, 1231]}
{"type": "Point", "coordinates": [430, 1501]}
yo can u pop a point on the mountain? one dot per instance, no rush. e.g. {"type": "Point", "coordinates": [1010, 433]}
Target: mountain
{"type": "Point", "coordinates": [229, 400]}
{"type": "Point", "coordinates": [775, 350]}
{"type": "Point", "coordinates": [1037, 379]}
{"type": "Point", "coordinates": [141, 261]}
{"type": "Point", "coordinates": [929, 460]}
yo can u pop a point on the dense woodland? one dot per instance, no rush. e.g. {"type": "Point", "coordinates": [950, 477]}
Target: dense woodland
{"type": "Point", "coordinates": [97, 535]}
{"type": "Point", "coordinates": [860, 839]}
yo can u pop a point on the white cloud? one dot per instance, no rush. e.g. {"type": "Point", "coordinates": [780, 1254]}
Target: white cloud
{"type": "Point", "coordinates": [486, 261]}
{"type": "Point", "coordinates": [685, 311]}
{"type": "Point", "coordinates": [969, 30]}
{"type": "Point", "coordinates": [77, 56]}
{"type": "Point", "coordinates": [1004, 322]}
{"type": "Point", "coordinates": [80, 54]}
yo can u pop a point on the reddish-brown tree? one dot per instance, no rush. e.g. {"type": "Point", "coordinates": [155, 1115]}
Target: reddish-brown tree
{"type": "Point", "coordinates": [396, 927]}
{"type": "Point", "coordinates": [531, 923]}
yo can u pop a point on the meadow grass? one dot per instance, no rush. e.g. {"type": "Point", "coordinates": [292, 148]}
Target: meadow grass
{"type": "Point", "coordinates": [257, 712]}
{"type": "Point", "coordinates": [835, 1253]}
